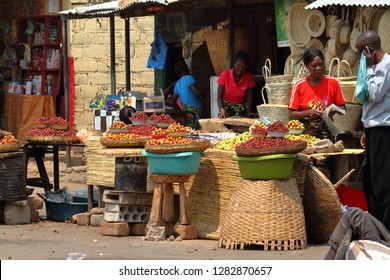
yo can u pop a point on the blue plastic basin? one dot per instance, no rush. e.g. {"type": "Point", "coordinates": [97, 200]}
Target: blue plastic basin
{"type": "Point", "coordinates": [63, 211]}
{"type": "Point", "coordinates": [186, 163]}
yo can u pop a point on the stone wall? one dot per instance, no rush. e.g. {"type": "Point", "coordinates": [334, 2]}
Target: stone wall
{"type": "Point", "coordinates": [89, 45]}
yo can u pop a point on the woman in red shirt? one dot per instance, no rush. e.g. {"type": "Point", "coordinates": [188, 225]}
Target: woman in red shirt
{"type": "Point", "coordinates": [311, 95]}
{"type": "Point", "coordinates": [235, 88]}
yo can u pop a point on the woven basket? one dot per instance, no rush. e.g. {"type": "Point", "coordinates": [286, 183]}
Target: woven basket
{"type": "Point", "coordinates": [269, 79]}
{"type": "Point", "coordinates": [273, 113]}
{"type": "Point", "coordinates": [217, 45]}
{"type": "Point", "coordinates": [196, 146]}
{"type": "Point", "coordinates": [322, 206]}
{"type": "Point", "coordinates": [348, 83]}
{"type": "Point", "coordinates": [296, 17]}
{"type": "Point", "coordinates": [277, 93]}
{"type": "Point", "coordinates": [293, 149]}
{"type": "Point", "coordinates": [373, 21]}
{"type": "Point", "coordinates": [351, 121]}
{"type": "Point", "coordinates": [349, 56]}
{"type": "Point", "coordinates": [383, 31]}
{"type": "Point", "coordinates": [266, 213]}
{"type": "Point", "coordinates": [330, 20]}
{"type": "Point", "coordinates": [52, 139]}
{"type": "Point", "coordinates": [315, 23]}
{"type": "Point", "coordinates": [123, 143]}
{"type": "Point", "coordinates": [301, 163]}
{"type": "Point", "coordinates": [315, 43]}
{"type": "Point", "coordinates": [6, 148]}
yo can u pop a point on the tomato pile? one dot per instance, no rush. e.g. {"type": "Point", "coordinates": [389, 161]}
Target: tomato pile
{"type": "Point", "coordinates": [162, 118]}
{"type": "Point", "coordinates": [144, 130]}
{"type": "Point", "coordinates": [259, 130]}
{"type": "Point", "coordinates": [159, 131]}
{"type": "Point", "coordinates": [171, 140]}
{"type": "Point", "coordinates": [277, 126]}
{"type": "Point", "coordinates": [295, 124]}
{"type": "Point", "coordinates": [139, 116]}
{"type": "Point", "coordinates": [49, 132]}
{"type": "Point", "coordinates": [121, 136]}
{"type": "Point", "coordinates": [176, 127]}
{"type": "Point", "coordinates": [58, 120]}
{"type": "Point", "coordinates": [42, 120]}
{"type": "Point", "coordinates": [118, 125]}
{"type": "Point", "coordinates": [8, 139]}
{"type": "Point", "coordinates": [266, 143]}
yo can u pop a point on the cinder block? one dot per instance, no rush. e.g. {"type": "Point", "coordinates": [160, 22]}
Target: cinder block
{"type": "Point", "coordinates": [127, 197]}
{"type": "Point", "coordinates": [97, 219]}
{"type": "Point", "coordinates": [83, 219]}
{"type": "Point", "coordinates": [126, 213]}
{"type": "Point", "coordinates": [115, 229]}
{"type": "Point", "coordinates": [14, 214]}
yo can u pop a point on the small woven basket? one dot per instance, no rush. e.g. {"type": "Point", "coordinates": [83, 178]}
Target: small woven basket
{"type": "Point", "coordinates": [196, 146]}
{"type": "Point", "coordinates": [268, 213]}
{"type": "Point", "coordinates": [6, 148]}
{"type": "Point", "coordinates": [273, 113]}
{"type": "Point", "coordinates": [321, 205]}
{"type": "Point", "coordinates": [315, 23]}
{"type": "Point", "coordinates": [330, 20]}
{"type": "Point", "coordinates": [269, 79]}
{"type": "Point", "coordinates": [351, 121]}
{"type": "Point", "coordinates": [277, 93]}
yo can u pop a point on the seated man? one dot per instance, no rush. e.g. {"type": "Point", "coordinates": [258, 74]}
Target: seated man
{"type": "Point", "coordinates": [355, 224]}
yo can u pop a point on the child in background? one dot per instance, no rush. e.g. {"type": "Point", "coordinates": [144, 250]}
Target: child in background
{"type": "Point", "coordinates": [190, 96]}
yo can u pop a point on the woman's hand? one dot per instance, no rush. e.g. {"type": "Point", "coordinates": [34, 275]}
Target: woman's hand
{"type": "Point", "coordinates": [314, 113]}
{"type": "Point", "coordinates": [222, 113]}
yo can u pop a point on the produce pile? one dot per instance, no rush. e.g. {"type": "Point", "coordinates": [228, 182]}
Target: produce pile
{"type": "Point", "coordinates": [162, 118]}
{"type": "Point", "coordinates": [266, 142]}
{"type": "Point", "coordinates": [230, 144]}
{"type": "Point", "coordinates": [302, 137]}
{"type": "Point", "coordinates": [143, 130]}
{"type": "Point", "coordinates": [295, 124]}
{"type": "Point", "coordinates": [118, 125]}
{"type": "Point", "coordinates": [121, 136]}
{"type": "Point", "coordinates": [171, 140]}
{"type": "Point", "coordinates": [8, 139]}
{"type": "Point", "coordinates": [139, 116]}
{"type": "Point", "coordinates": [277, 126]}
{"type": "Point", "coordinates": [49, 132]}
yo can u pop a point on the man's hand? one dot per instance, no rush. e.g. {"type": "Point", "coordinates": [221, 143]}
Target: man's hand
{"type": "Point", "coordinates": [363, 141]}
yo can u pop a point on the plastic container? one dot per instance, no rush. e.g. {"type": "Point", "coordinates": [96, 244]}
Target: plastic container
{"type": "Point", "coordinates": [276, 134]}
{"type": "Point", "coordinates": [63, 211]}
{"type": "Point", "coordinates": [186, 163]}
{"type": "Point", "coordinates": [295, 131]}
{"type": "Point", "coordinates": [278, 166]}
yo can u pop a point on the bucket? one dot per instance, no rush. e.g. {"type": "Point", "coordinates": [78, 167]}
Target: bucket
{"type": "Point", "coordinates": [12, 176]}
{"type": "Point", "coordinates": [131, 173]}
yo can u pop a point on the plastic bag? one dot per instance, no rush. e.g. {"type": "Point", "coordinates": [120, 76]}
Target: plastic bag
{"type": "Point", "coordinates": [361, 91]}
{"type": "Point", "coordinates": [158, 53]}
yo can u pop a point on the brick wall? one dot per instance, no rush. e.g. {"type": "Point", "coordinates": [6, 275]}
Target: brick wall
{"type": "Point", "coordinates": [89, 41]}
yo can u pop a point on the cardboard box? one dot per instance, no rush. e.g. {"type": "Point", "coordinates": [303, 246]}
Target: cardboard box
{"type": "Point", "coordinates": [154, 104]}
{"type": "Point", "coordinates": [50, 7]}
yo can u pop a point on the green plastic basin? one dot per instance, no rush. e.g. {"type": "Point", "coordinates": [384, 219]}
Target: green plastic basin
{"type": "Point", "coordinates": [272, 167]}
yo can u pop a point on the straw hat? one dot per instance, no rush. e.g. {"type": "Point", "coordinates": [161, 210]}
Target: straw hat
{"type": "Point", "coordinates": [373, 21]}
{"type": "Point", "coordinates": [315, 43]}
{"type": "Point", "coordinates": [315, 23]}
{"type": "Point", "coordinates": [383, 31]}
{"type": "Point", "coordinates": [296, 17]}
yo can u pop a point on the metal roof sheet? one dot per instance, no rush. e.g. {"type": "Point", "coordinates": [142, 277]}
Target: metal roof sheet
{"type": "Point", "coordinates": [366, 3]}
{"type": "Point", "coordinates": [103, 9]}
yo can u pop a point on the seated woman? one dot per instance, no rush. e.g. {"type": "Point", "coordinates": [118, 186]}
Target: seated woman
{"type": "Point", "coordinates": [235, 89]}
{"type": "Point", "coordinates": [312, 94]}
{"type": "Point", "coordinates": [190, 95]}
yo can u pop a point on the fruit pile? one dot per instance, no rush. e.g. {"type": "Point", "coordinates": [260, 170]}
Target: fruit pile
{"type": "Point", "coordinates": [230, 144]}
{"type": "Point", "coordinates": [176, 127]}
{"type": "Point", "coordinates": [49, 132]}
{"type": "Point", "coordinates": [118, 125]}
{"type": "Point", "coordinates": [139, 116]}
{"type": "Point", "coordinates": [58, 120]}
{"type": "Point", "coordinates": [259, 130]}
{"type": "Point", "coordinates": [42, 120]}
{"type": "Point", "coordinates": [8, 139]}
{"type": "Point", "coordinates": [302, 137]}
{"type": "Point", "coordinates": [162, 118]}
{"type": "Point", "coordinates": [277, 126]}
{"type": "Point", "coordinates": [295, 124]}
{"type": "Point", "coordinates": [266, 143]}
{"type": "Point", "coordinates": [121, 136]}
{"type": "Point", "coordinates": [171, 140]}
{"type": "Point", "coordinates": [144, 130]}
{"type": "Point", "coordinates": [159, 131]}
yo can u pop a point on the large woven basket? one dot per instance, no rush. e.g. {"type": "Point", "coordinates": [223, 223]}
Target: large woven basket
{"type": "Point", "coordinates": [217, 45]}
{"type": "Point", "coordinates": [277, 93]}
{"type": "Point", "coordinates": [196, 146]}
{"type": "Point", "coordinates": [315, 23]}
{"type": "Point", "coordinates": [321, 205]}
{"type": "Point", "coordinates": [269, 79]}
{"type": "Point", "coordinates": [296, 17]}
{"type": "Point", "coordinates": [383, 31]}
{"type": "Point", "coordinates": [351, 121]}
{"type": "Point", "coordinates": [268, 213]}
{"type": "Point", "coordinates": [273, 113]}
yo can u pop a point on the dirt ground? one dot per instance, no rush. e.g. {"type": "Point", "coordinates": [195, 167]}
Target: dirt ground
{"type": "Point", "coordinates": [47, 240]}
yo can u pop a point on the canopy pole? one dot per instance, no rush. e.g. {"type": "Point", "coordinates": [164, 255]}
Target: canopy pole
{"type": "Point", "coordinates": [112, 55]}
{"type": "Point", "coordinates": [127, 53]}
{"type": "Point", "coordinates": [65, 70]}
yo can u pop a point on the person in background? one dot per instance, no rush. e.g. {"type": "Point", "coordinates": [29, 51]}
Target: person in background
{"type": "Point", "coordinates": [376, 122]}
{"type": "Point", "coordinates": [189, 94]}
{"type": "Point", "coordinates": [125, 114]}
{"type": "Point", "coordinates": [235, 89]}
{"type": "Point", "coordinates": [310, 95]}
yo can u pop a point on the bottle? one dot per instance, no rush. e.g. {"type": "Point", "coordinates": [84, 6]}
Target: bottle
{"type": "Point", "coordinates": [29, 86]}
{"type": "Point", "coordinates": [129, 99]}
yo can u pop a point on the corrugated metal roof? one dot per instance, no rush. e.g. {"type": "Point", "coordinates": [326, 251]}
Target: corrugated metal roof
{"type": "Point", "coordinates": [103, 9]}
{"type": "Point", "coordinates": [366, 3]}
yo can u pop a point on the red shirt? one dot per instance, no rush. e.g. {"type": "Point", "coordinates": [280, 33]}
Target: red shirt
{"type": "Point", "coordinates": [235, 93]}
{"type": "Point", "coordinates": [326, 93]}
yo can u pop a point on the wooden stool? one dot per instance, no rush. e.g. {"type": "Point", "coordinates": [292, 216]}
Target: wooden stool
{"type": "Point", "coordinates": [162, 211]}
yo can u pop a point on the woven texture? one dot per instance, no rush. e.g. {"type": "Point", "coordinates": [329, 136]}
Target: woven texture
{"type": "Point", "coordinates": [6, 148]}
{"type": "Point", "coordinates": [296, 18]}
{"type": "Point", "coordinates": [218, 47]}
{"type": "Point", "coordinates": [267, 213]}
{"type": "Point", "coordinates": [315, 23]}
{"type": "Point", "coordinates": [351, 121]}
{"type": "Point", "coordinates": [277, 93]}
{"type": "Point", "coordinates": [383, 31]}
{"type": "Point", "coordinates": [273, 112]}
{"type": "Point", "coordinates": [322, 206]}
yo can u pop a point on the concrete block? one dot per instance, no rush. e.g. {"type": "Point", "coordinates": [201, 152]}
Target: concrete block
{"type": "Point", "coordinates": [127, 197]}
{"type": "Point", "coordinates": [127, 213]}
{"type": "Point", "coordinates": [16, 214]}
{"type": "Point", "coordinates": [97, 219]}
{"type": "Point", "coordinates": [115, 229]}
{"type": "Point", "coordinates": [83, 219]}
{"type": "Point", "coordinates": [137, 229]}
{"type": "Point", "coordinates": [156, 234]}
{"type": "Point", "coordinates": [35, 202]}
